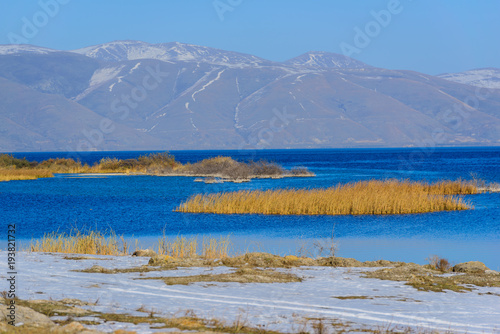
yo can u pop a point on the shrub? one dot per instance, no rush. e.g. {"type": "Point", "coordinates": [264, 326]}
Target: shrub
{"type": "Point", "coordinates": [296, 171]}
{"type": "Point", "coordinates": [264, 168]}
{"type": "Point", "coordinates": [439, 263]}
{"type": "Point", "coordinates": [8, 161]}
{"type": "Point", "coordinates": [61, 165]}
{"type": "Point", "coordinates": [160, 159]}
{"type": "Point", "coordinates": [152, 163]}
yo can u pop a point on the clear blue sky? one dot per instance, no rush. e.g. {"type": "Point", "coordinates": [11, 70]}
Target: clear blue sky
{"type": "Point", "coordinates": [429, 36]}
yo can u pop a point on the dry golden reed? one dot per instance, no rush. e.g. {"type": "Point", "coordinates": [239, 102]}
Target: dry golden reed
{"type": "Point", "coordinates": [76, 242]}
{"type": "Point", "coordinates": [215, 249]}
{"type": "Point", "coordinates": [23, 174]}
{"type": "Point", "coordinates": [364, 197]}
{"type": "Point", "coordinates": [97, 243]}
{"type": "Point", "coordinates": [182, 247]}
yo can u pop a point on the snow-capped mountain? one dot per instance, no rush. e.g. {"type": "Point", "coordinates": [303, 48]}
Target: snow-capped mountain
{"type": "Point", "coordinates": [169, 52]}
{"type": "Point", "coordinates": [6, 49]}
{"type": "Point", "coordinates": [483, 77]}
{"type": "Point", "coordinates": [180, 96]}
{"type": "Point", "coordinates": [319, 59]}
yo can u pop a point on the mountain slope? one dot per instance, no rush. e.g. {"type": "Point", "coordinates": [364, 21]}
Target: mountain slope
{"type": "Point", "coordinates": [179, 96]}
{"type": "Point", "coordinates": [325, 60]}
{"type": "Point", "coordinates": [484, 77]}
{"type": "Point", "coordinates": [169, 52]}
{"type": "Point", "coordinates": [49, 122]}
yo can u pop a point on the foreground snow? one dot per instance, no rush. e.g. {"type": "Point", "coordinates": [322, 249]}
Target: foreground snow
{"type": "Point", "coordinates": [277, 306]}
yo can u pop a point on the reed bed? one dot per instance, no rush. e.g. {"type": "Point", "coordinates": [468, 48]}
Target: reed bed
{"type": "Point", "coordinates": [93, 242]}
{"type": "Point", "coordinates": [103, 243]}
{"type": "Point", "coordinates": [365, 197]}
{"type": "Point", "coordinates": [23, 174]}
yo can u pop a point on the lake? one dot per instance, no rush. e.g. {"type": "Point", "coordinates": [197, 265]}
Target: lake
{"type": "Point", "coordinates": [142, 206]}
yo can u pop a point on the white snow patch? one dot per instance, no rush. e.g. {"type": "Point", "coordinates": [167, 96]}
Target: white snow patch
{"type": "Point", "coordinates": [238, 86]}
{"type": "Point", "coordinates": [207, 84]}
{"type": "Point", "coordinates": [99, 77]}
{"type": "Point", "coordinates": [487, 77]}
{"type": "Point", "coordinates": [134, 68]}
{"type": "Point", "coordinates": [298, 79]}
{"type": "Point", "coordinates": [8, 49]}
{"type": "Point", "coordinates": [192, 123]}
{"type": "Point", "coordinates": [104, 74]}
{"type": "Point", "coordinates": [276, 305]}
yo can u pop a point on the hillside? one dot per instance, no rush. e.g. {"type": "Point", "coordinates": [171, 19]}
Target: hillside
{"type": "Point", "coordinates": [181, 96]}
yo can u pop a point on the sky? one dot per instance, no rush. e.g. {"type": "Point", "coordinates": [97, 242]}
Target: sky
{"type": "Point", "coordinates": [428, 36]}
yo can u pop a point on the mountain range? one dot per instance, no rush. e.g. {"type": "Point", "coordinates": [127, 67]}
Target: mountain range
{"type": "Point", "coordinates": [131, 95]}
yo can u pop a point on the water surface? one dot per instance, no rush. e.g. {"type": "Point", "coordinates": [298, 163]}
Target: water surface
{"type": "Point", "coordinates": [142, 206]}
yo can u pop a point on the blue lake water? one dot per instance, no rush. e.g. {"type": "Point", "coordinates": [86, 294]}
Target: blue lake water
{"type": "Point", "coordinates": [142, 206]}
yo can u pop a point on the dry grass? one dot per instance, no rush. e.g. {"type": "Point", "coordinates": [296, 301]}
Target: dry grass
{"type": "Point", "coordinates": [77, 242]}
{"type": "Point", "coordinates": [23, 174]}
{"type": "Point", "coordinates": [425, 279]}
{"type": "Point", "coordinates": [187, 248]}
{"type": "Point", "coordinates": [180, 247]}
{"type": "Point", "coordinates": [366, 197]}
{"type": "Point", "coordinates": [242, 275]}
{"type": "Point", "coordinates": [97, 243]}
{"type": "Point", "coordinates": [215, 249]}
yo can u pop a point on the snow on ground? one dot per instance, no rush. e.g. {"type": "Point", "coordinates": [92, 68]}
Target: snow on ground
{"type": "Point", "coordinates": [99, 77]}
{"type": "Point", "coordinates": [8, 49]}
{"type": "Point", "coordinates": [278, 306]}
{"type": "Point", "coordinates": [486, 77]}
{"type": "Point", "coordinates": [207, 84]}
{"type": "Point", "coordinates": [104, 74]}
{"type": "Point", "coordinates": [134, 68]}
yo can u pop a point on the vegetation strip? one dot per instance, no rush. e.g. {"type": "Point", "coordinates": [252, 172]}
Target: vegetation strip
{"type": "Point", "coordinates": [364, 197]}
{"type": "Point", "coordinates": [159, 164]}
{"type": "Point", "coordinates": [242, 275]}
{"type": "Point", "coordinates": [428, 278]}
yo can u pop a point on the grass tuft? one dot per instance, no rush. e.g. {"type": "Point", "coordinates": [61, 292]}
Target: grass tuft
{"type": "Point", "coordinates": [215, 249]}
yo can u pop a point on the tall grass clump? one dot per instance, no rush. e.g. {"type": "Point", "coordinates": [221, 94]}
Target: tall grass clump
{"type": "Point", "coordinates": [23, 174]}
{"type": "Point", "coordinates": [365, 197]}
{"type": "Point", "coordinates": [215, 249]}
{"type": "Point", "coordinates": [92, 242]}
{"type": "Point", "coordinates": [458, 187]}
{"type": "Point", "coordinates": [180, 247]}
{"type": "Point", "coordinates": [188, 248]}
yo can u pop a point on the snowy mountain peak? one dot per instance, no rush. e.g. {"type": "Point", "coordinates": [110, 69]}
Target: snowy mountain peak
{"type": "Point", "coordinates": [8, 49]}
{"type": "Point", "coordinates": [169, 52]}
{"type": "Point", "coordinates": [320, 59]}
{"type": "Point", "coordinates": [482, 77]}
